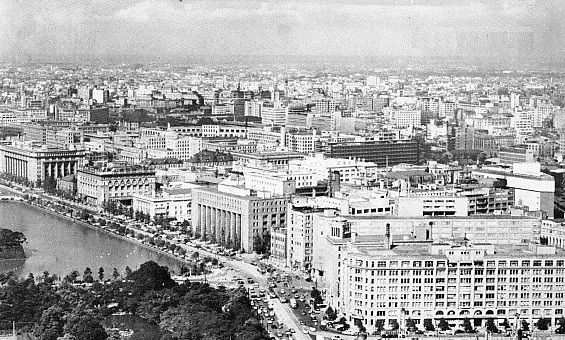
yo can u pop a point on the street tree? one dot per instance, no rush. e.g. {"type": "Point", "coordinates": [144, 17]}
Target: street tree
{"type": "Point", "coordinates": [115, 274]}
{"type": "Point", "coordinates": [467, 327]}
{"type": "Point", "coordinates": [443, 325]}
{"type": "Point", "coordinates": [331, 314]}
{"type": "Point", "coordinates": [491, 327]}
{"type": "Point", "coordinates": [429, 325]}
{"type": "Point", "coordinates": [561, 328]}
{"type": "Point", "coordinates": [410, 325]}
{"type": "Point", "coordinates": [543, 324]}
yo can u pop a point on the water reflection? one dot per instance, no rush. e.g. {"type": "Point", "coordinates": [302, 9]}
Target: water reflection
{"type": "Point", "coordinates": [60, 246]}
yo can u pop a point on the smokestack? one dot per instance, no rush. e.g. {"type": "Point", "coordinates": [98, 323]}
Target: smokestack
{"type": "Point", "coordinates": [387, 235]}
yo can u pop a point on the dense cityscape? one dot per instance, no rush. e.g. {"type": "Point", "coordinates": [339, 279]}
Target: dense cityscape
{"type": "Point", "coordinates": [282, 170]}
{"type": "Point", "coordinates": [410, 202]}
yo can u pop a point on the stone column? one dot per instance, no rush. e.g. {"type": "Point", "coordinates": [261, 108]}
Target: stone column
{"type": "Point", "coordinates": [208, 222]}
{"type": "Point", "coordinates": [202, 220]}
{"type": "Point", "coordinates": [195, 226]}
{"type": "Point", "coordinates": [218, 226]}
{"type": "Point", "coordinates": [225, 227]}
{"type": "Point", "coordinates": [231, 225]}
{"type": "Point", "coordinates": [213, 222]}
{"type": "Point", "coordinates": [237, 229]}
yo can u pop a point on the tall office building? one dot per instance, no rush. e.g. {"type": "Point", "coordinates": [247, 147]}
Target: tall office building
{"type": "Point", "coordinates": [236, 217]}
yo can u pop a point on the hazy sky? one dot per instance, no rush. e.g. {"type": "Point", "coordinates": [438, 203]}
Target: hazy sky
{"type": "Point", "coordinates": [499, 29]}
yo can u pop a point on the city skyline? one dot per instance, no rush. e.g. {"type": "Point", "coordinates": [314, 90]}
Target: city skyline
{"type": "Point", "coordinates": [176, 29]}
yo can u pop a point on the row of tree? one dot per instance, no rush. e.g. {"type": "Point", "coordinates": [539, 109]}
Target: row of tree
{"type": "Point", "coordinates": [71, 311]}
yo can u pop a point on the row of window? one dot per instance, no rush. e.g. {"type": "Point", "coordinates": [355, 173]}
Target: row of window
{"type": "Point", "coordinates": [431, 264]}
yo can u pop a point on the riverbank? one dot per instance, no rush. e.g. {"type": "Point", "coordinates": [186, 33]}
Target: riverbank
{"type": "Point", "coordinates": [132, 240]}
{"type": "Point", "coordinates": [108, 232]}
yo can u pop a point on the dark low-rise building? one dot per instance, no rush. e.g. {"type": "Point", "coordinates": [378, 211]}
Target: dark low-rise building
{"type": "Point", "coordinates": [384, 153]}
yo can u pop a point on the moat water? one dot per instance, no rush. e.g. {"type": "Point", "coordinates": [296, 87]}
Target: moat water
{"type": "Point", "coordinates": [59, 246]}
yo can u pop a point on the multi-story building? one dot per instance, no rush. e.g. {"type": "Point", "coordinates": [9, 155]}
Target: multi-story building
{"type": "Point", "coordinates": [487, 142]}
{"type": "Point", "coordinates": [383, 153]}
{"type": "Point", "coordinates": [515, 154]}
{"type": "Point", "coordinates": [98, 184]}
{"type": "Point", "coordinates": [522, 123]}
{"type": "Point", "coordinates": [485, 200]}
{"type": "Point", "coordinates": [273, 115]}
{"type": "Point", "coordinates": [553, 233]}
{"type": "Point", "coordinates": [264, 160]}
{"type": "Point", "coordinates": [350, 170]}
{"type": "Point", "coordinates": [532, 188]}
{"type": "Point", "coordinates": [460, 137]}
{"type": "Point", "coordinates": [405, 118]}
{"type": "Point", "coordinates": [224, 109]}
{"type": "Point", "coordinates": [378, 280]}
{"type": "Point", "coordinates": [489, 200]}
{"type": "Point", "coordinates": [36, 163]}
{"type": "Point", "coordinates": [300, 236]}
{"type": "Point", "coordinates": [432, 206]}
{"type": "Point", "coordinates": [235, 216]}
{"type": "Point", "coordinates": [301, 142]}
{"type": "Point", "coordinates": [500, 229]}
{"type": "Point", "coordinates": [252, 108]}
{"type": "Point", "coordinates": [278, 247]}
{"type": "Point", "coordinates": [170, 203]}
{"type": "Point", "coordinates": [224, 131]}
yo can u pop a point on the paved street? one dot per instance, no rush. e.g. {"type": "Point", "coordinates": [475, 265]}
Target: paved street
{"type": "Point", "coordinates": [241, 269]}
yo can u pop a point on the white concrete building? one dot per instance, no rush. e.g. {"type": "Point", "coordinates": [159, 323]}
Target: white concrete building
{"type": "Point", "coordinates": [350, 170]}
{"type": "Point", "coordinates": [235, 216]}
{"type": "Point", "coordinates": [405, 118]}
{"type": "Point", "coordinates": [532, 187]}
{"type": "Point", "coordinates": [170, 203]}
{"type": "Point", "coordinates": [380, 280]}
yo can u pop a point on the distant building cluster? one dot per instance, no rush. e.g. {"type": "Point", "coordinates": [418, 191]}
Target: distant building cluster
{"type": "Point", "coordinates": [412, 196]}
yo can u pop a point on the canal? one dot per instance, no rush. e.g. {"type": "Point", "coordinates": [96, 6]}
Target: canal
{"type": "Point", "coordinates": [59, 246]}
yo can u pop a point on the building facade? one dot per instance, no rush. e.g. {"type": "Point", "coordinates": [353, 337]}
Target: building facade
{"type": "Point", "coordinates": [100, 184]}
{"type": "Point", "coordinates": [383, 153]}
{"type": "Point", "coordinates": [451, 280]}
{"type": "Point", "coordinates": [38, 163]}
{"type": "Point", "coordinates": [235, 217]}
{"type": "Point", "coordinates": [176, 205]}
